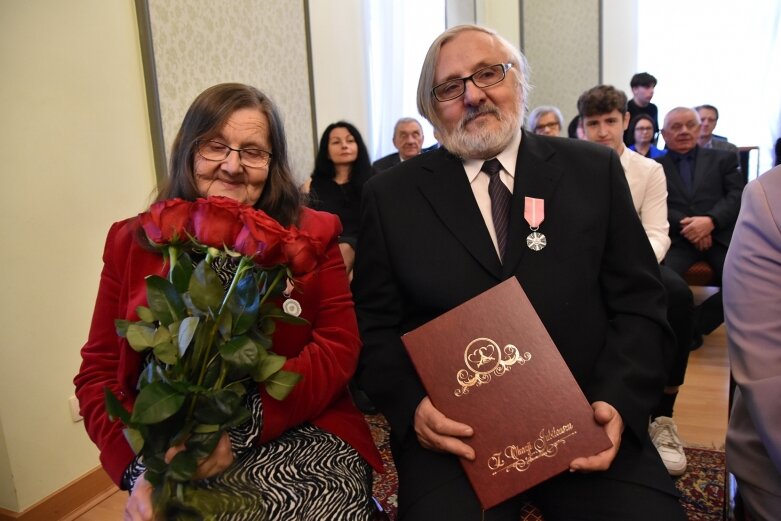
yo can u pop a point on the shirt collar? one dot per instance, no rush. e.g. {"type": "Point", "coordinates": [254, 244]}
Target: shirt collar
{"type": "Point", "coordinates": [507, 157]}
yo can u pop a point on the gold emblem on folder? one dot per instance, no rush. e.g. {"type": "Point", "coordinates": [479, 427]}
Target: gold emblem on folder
{"type": "Point", "coordinates": [483, 358]}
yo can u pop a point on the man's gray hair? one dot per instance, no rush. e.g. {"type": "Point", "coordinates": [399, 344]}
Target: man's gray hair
{"type": "Point", "coordinates": [404, 121]}
{"type": "Point", "coordinates": [426, 98]}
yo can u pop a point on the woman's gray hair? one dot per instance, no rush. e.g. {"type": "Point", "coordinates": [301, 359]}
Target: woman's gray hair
{"type": "Point", "coordinates": [426, 98]}
{"type": "Point", "coordinates": [536, 114]}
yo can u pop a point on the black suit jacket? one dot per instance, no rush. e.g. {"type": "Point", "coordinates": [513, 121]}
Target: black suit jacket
{"type": "Point", "coordinates": [718, 186]}
{"type": "Point", "coordinates": [425, 249]}
{"type": "Point", "coordinates": [387, 162]}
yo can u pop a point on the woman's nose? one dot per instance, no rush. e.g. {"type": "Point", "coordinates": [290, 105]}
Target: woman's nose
{"type": "Point", "coordinates": [232, 163]}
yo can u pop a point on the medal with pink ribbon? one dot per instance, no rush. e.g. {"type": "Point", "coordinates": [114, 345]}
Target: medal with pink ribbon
{"type": "Point", "coordinates": [534, 213]}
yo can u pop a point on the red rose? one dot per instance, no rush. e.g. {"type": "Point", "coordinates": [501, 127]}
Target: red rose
{"type": "Point", "coordinates": [167, 221]}
{"type": "Point", "coordinates": [301, 253]}
{"type": "Point", "coordinates": [216, 221]}
{"type": "Point", "coordinates": [261, 238]}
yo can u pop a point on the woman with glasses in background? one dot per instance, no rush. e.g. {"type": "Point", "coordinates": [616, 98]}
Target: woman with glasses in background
{"type": "Point", "coordinates": [546, 120]}
{"type": "Point", "coordinates": [642, 128]}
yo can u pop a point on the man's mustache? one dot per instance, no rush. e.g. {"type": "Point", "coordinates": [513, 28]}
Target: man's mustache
{"type": "Point", "coordinates": [473, 113]}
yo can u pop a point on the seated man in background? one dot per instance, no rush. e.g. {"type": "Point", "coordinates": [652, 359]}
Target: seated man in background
{"type": "Point", "coordinates": [408, 140]}
{"type": "Point", "coordinates": [605, 117]}
{"type": "Point", "coordinates": [703, 199]}
{"type": "Point", "coordinates": [709, 117]}
{"type": "Point", "coordinates": [546, 120]}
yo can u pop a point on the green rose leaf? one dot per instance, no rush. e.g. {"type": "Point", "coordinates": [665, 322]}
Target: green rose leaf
{"type": "Point", "coordinates": [205, 288]}
{"type": "Point", "coordinates": [140, 336]}
{"type": "Point", "coordinates": [202, 444]}
{"type": "Point", "coordinates": [281, 384]}
{"type": "Point", "coordinates": [121, 327]}
{"type": "Point", "coordinates": [114, 407]}
{"type": "Point", "coordinates": [134, 439]}
{"type": "Point", "coordinates": [187, 329]}
{"type": "Point", "coordinates": [182, 466]}
{"type": "Point", "coordinates": [181, 272]}
{"type": "Point", "coordinates": [268, 366]}
{"type": "Point", "coordinates": [217, 407]}
{"type": "Point", "coordinates": [166, 353]}
{"type": "Point", "coordinates": [240, 353]}
{"type": "Point", "coordinates": [156, 402]}
{"type": "Point", "coordinates": [162, 336]}
{"type": "Point", "coordinates": [245, 304]}
{"type": "Point", "coordinates": [279, 314]}
{"type": "Point", "coordinates": [145, 314]}
{"type": "Point", "coordinates": [164, 301]}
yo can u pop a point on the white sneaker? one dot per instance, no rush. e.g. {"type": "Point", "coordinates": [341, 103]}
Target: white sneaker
{"type": "Point", "coordinates": [664, 435]}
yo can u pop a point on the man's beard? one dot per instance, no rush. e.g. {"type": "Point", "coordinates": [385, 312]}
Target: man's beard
{"type": "Point", "coordinates": [482, 142]}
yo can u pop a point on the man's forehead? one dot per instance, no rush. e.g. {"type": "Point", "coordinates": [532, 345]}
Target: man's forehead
{"type": "Point", "coordinates": [467, 52]}
{"type": "Point", "coordinates": [682, 115]}
{"type": "Point", "coordinates": [409, 126]}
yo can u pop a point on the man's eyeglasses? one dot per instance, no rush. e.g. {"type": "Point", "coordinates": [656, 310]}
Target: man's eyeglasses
{"type": "Point", "coordinates": [485, 77]}
{"type": "Point", "coordinates": [249, 157]}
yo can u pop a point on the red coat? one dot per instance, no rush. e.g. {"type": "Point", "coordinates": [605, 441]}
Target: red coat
{"type": "Point", "coordinates": [325, 352]}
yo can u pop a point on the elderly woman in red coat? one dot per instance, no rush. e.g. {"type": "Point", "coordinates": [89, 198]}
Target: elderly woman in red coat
{"type": "Point", "coordinates": [307, 456]}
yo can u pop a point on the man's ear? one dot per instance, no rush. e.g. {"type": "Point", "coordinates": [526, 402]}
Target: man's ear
{"type": "Point", "coordinates": [626, 120]}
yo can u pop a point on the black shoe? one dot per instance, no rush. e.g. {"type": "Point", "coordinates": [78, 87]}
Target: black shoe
{"type": "Point", "coordinates": [696, 342]}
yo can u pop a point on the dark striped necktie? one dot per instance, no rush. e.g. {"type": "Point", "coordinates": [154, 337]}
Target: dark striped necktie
{"type": "Point", "coordinates": [500, 202]}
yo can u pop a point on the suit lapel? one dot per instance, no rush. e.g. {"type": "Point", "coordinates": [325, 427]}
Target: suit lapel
{"type": "Point", "coordinates": [535, 176]}
{"type": "Point", "coordinates": [447, 189]}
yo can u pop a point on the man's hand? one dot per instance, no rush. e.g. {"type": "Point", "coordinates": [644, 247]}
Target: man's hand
{"type": "Point", "coordinates": [704, 244]}
{"type": "Point", "coordinates": [696, 228]}
{"type": "Point", "coordinates": [437, 432]}
{"type": "Point", "coordinates": [607, 416]}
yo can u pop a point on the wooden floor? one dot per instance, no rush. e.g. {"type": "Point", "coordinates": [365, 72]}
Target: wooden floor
{"type": "Point", "coordinates": [700, 412]}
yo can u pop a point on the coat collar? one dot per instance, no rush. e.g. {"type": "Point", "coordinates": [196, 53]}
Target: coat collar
{"type": "Point", "coordinates": [444, 184]}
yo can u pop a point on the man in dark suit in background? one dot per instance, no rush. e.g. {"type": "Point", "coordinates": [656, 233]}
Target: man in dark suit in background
{"type": "Point", "coordinates": [434, 235]}
{"type": "Point", "coordinates": [408, 140]}
{"type": "Point", "coordinates": [703, 199]}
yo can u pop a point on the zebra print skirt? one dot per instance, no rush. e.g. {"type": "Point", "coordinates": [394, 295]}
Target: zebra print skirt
{"type": "Point", "coordinates": [306, 474]}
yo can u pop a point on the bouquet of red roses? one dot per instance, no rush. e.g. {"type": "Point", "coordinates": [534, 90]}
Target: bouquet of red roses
{"type": "Point", "coordinates": [206, 344]}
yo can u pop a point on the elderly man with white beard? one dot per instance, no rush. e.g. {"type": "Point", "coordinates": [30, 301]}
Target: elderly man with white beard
{"type": "Point", "coordinates": [448, 225]}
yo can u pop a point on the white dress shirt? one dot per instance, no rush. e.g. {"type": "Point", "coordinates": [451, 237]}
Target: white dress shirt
{"type": "Point", "coordinates": [649, 193]}
{"type": "Point", "coordinates": [478, 180]}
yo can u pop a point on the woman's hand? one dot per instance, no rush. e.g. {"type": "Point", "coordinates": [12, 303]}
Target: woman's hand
{"type": "Point", "coordinates": [139, 504]}
{"type": "Point", "coordinates": [217, 462]}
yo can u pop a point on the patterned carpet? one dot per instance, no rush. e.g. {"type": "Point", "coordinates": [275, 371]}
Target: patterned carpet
{"type": "Point", "coordinates": [702, 487]}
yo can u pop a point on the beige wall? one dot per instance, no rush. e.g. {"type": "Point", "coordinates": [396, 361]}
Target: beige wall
{"type": "Point", "coordinates": [199, 43]}
{"type": "Point", "coordinates": [561, 42]}
{"type": "Point", "coordinates": [76, 156]}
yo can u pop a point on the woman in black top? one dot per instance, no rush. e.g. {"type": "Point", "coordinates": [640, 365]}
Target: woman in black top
{"type": "Point", "coordinates": [341, 167]}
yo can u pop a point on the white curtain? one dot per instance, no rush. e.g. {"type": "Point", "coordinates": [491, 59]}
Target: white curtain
{"type": "Point", "coordinates": [722, 53]}
{"type": "Point", "coordinates": [398, 36]}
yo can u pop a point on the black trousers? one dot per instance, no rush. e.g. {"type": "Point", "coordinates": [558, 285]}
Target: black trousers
{"type": "Point", "coordinates": [432, 486]}
{"type": "Point", "coordinates": [680, 315]}
{"type": "Point", "coordinates": [710, 314]}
